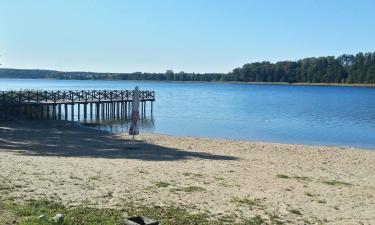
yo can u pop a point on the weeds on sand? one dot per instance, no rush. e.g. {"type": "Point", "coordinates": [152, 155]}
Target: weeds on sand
{"type": "Point", "coordinates": [309, 194]}
{"type": "Point", "coordinates": [295, 211]}
{"type": "Point", "coordinates": [257, 220]}
{"type": "Point", "coordinates": [172, 215]}
{"type": "Point", "coordinates": [251, 203]}
{"type": "Point", "coordinates": [303, 178]}
{"type": "Point", "coordinates": [75, 177]}
{"type": "Point", "coordinates": [162, 184]}
{"type": "Point", "coordinates": [197, 175]}
{"type": "Point", "coordinates": [282, 176]}
{"type": "Point", "coordinates": [93, 178]}
{"type": "Point", "coordinates": [143, 171]}
{"type": "Point", "coordinates": [322, 201]}
{"type": "Point", "coordinates": [275, 219]}
{"type": "Point", "coordinates": [189, 189]}
{"type": "Point", "coordinates": [336, 183]}
{"type": "Point", "coordinates": [27, 213]}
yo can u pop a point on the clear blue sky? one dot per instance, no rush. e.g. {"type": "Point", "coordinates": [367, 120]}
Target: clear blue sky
{"type": "Point", "coordinates": [189, 35]}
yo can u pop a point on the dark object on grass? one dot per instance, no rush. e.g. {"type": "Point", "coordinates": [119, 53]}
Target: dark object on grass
{"type": "Point", "coordinates": [140, 220]}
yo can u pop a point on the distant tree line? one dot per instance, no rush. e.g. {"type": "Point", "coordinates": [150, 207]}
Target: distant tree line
{"type": "Point", "coordinates": [347, 69]}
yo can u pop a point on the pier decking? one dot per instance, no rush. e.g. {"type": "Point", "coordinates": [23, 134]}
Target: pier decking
{"type": "Point", "coordinates": [59, 104]}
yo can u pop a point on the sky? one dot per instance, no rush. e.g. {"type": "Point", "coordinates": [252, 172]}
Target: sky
{"type": "Point", "coordinates": [190, 35]}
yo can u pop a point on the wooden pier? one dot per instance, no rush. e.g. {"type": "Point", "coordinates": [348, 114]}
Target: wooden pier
{"type": "Point", "coordinates": [72, 105]}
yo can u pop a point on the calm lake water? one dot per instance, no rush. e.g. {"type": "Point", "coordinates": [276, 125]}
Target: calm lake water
{"type": "Point", "coordinates": [339, 116]}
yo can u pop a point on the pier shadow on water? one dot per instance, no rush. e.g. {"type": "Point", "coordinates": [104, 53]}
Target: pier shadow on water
{"type": "Point", "coordinates": [64, 139]}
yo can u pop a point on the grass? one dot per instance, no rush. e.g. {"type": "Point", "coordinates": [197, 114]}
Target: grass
{"type": "Point", "coordinates": [302, 178]}
{"type": "Point", "coordinates": [162, 184]}
{"type": "Point", "coordinates": [295, 211]}
{"type": "Point", "coordinates": [27, 213]}
{"type": "Point", "coordinates": [309, 194]}
{"type": "Point", "coordinates": [275, 219]}
{"type": "Point", "coordinates": [251, 203]}
{"type": "Point", "coordinates": [93, 178]}
{"type": "Point", "coordinates": [75, 177]}
{"type": "Point", "coordinates": [282, 176]}
{"type": "Point", "coordinates": [143, 171]}
{"type": "Point", "coordinates": [322, 201]}
{"type": "Point", "coordinates": [197, 175]}
{"type": "Point", "coordinates": [189, 189]}
{"type": "Point", "coordinates": [336, 183]}
{"type": "Point", "coordinates": [257, 220]}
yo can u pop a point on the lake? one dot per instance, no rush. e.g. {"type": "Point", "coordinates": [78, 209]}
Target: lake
{"type": "Point", "coordinates": [315, 115]}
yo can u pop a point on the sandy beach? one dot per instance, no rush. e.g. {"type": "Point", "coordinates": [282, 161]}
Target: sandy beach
{"type": "Point", "coordinates": [298, 184]}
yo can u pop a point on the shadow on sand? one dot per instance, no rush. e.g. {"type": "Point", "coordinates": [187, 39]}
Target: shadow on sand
{"type": "Point", "coordinates": [63, 139]}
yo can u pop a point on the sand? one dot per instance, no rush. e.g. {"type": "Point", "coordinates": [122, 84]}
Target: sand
{"type": "Point", "coordinates": [77, 165]}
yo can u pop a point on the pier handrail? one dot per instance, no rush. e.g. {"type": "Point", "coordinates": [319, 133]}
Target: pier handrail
{"type": "Point", "coordinates": [70, 96]}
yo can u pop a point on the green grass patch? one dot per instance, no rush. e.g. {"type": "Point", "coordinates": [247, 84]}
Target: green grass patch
{"type": "Point", "coordinates": [257, 220]}
{"type": "Point", "coordinates": [251, 203]}
{"type": "Point", "coordinates": [322, 201]}
{"type": "Point", "coordinates": [27, 213]}
{"type": "Point", "coordinates": [75, 177]}
{"type": "Point", "coordinates": [162, 184]}
{"type": "Point", "coordinates": [282, 176]}
{"type": "Point", "coordinates": [197, 175]}
{"type": "Point", "coordinates": [143, 171]}
{"type": "Point", "coordinates": [336, 183]}
{"type": "Point", "coordinates": [172, 215]}
{"type": "Point", "coordinates": [299, 178]}
{"type": "Point", "coordinates": [94, 178]}
{"type": "Point", "coordinates": [189, 189]}
{"type": "Point", "coordinates": [295, 211]}
{"type": "Point", "coordinates": [302, 178]}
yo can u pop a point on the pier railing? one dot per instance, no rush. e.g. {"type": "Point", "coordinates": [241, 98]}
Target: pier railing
{"type": "Point", "coordinates": [101, 104]}
{"type": "Point", "coordinates": [66, 97]}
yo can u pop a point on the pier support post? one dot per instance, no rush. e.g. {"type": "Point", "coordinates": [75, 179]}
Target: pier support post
{"type": "Point", "coordinates": [59, 115]}
{"type": "Point", "coordinates": [72, 111]}
{"type": "Point", "coordinates": [85, 111]}
{"type": "Point", "coordinates": [97, 110]}
{"type": "Point", "coordinates": [66, 111]}
{"type": "Point", "coordinates": [79, 111]}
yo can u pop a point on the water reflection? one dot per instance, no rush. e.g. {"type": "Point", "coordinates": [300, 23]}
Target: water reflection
{"type": "Point", "coordinates": [146, 124]}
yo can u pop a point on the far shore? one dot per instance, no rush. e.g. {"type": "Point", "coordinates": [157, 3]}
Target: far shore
{"type": "Point", "coordinates": [297, 184]}
{"type": "Point", "coordinates": [223, 82]}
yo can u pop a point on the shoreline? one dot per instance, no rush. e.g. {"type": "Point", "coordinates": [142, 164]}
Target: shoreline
{"type": "Point", "coordinates": [242, 179]}
{"type": "Point", "coordinates": [351, 147]}
{"type": "Point", "coordinates": [220, 82]}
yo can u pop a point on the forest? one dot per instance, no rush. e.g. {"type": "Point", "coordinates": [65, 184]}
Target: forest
{"type": "Point", "coordinates": [345, 69]}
